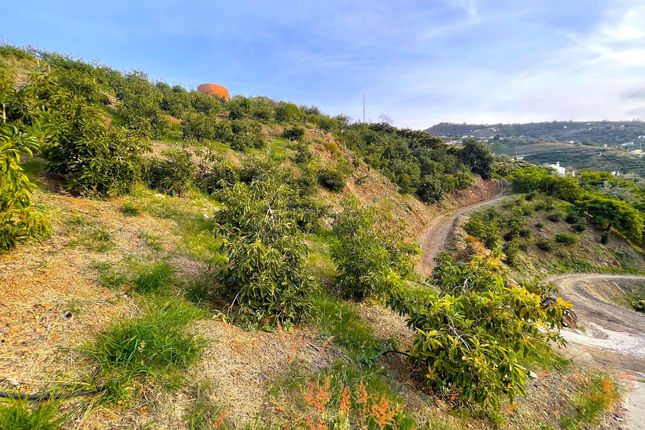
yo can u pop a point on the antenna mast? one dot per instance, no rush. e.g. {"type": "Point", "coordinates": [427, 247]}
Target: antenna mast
{"type": "Point", "coordinates": [363, 108]}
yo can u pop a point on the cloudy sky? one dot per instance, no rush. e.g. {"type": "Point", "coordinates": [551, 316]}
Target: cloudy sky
{"type": "Point", "coordinates": [418, 62]}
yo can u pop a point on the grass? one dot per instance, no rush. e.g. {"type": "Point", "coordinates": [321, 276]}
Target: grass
{"type": "Point", "coordinates": [128, 209]}
{"type": "Point", "coordinates": [19, 415]}
{"type": "Point", "coordinates": [90, 234]}
{"type": "Point", "coordinates": [599, 397]}
{"type": "Point", "coordinates": [108, 276]}
{"type": "Point", "coordinates": [343, 325]}
{"type": "Point", "coordinates": [191, 212]}
{"type": "Point", "coordinates": [204, 413]}
{"type": "Point", "coordinates": [154, 346]}
{"type": "Point", "coordinates": [155, 278]}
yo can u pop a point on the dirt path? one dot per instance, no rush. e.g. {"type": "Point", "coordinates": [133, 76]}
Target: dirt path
{"type": "Point", "coordinates": [613, 336]}
{"type": "Point", "coordinates": [434, 238]}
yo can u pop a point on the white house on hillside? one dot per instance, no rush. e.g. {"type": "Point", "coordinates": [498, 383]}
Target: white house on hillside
{"type": "Point", "coordinates": [559, 170]}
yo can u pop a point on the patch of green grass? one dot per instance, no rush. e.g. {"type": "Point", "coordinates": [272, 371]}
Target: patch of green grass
{"type": "Point", "coordinates": [191, 212]}
{"type": "Point", "coordinates": [340, 321]}
{"type": "Point", "coordinates": [154, 346]}
{"type": "Point", "coordinates": [152, 240]}
{"type": "Point", "coordinates": [19, 415]}
{"type": "Point", "coordinates": [129, 209]}
{"type": "Point", "coordinates": [598, 397]}
{"type": "Point", "coordinates": [155, 278]}
{"type": "Point", "coordinates": [108, 276]}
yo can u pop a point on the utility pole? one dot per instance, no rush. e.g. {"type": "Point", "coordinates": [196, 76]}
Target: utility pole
{"type": "Point", "coordinates": [363, 108]}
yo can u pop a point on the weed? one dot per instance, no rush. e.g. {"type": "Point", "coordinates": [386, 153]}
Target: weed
{"type": "Point", "coordinates": [153, 241]}
{"type": "Point", "coordinates": [109, 277]}
{"type": "Point", "coordinates": [340, 321]}
{"type": "Point", "coordinates": [599, 396]}
{"type": "Point", "coordinates": [156, 277]}
{"type": "Point", "coordinates": [18, 415]}
{"type": "Point", "coordinates": [153, 346]}
{"type": "Point", "coordinates": [204, 414]}
{"type": "Point", "coordinates": [129, 209]}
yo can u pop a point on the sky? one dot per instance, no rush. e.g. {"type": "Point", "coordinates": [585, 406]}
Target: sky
{"type": "Point", "coordinates": [417, 62]}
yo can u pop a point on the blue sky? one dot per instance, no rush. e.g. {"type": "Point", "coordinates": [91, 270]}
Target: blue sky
{"type": "Point", "coordinates": [418, 62]}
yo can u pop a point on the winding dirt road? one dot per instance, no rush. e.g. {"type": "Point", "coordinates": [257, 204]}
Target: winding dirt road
{"type": "Point", "coordinates": [613, 336]}
{"type": "Point", "coordinates": [436, 235]}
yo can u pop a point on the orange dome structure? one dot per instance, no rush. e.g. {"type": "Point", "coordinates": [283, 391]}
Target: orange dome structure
{"type": "Point", "coordinates": [214, 90]}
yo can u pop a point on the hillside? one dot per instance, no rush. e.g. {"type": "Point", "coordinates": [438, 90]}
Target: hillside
{"type": "Point", "coordinates": [611, 133]}
{"type": "Point", "coordinates": [171, 259]}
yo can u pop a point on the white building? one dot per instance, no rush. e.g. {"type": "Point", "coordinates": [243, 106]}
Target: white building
{"type": "Point", "coordinates": [559, 170]}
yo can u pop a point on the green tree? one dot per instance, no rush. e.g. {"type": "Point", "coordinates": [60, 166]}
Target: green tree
{"type": "Point", "coordinates": [18, 219]}
{"type": "Point", "coordinates": [265, 274]}
{"type": "Point", "coordinates": [478, 156]}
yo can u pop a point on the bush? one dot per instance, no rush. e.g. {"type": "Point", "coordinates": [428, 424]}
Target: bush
{"type": "Point", "coordinates": [484, 226]}
{"type": "Point", "coordinates": [565, 238]}
{"type": "Point", "coordinates": [370, 261]}
{"type": "Point", "coordinates": [473, 336]}
{"type": "Point", "coordinates": [216, 173]}
{"type": "Point", "coordinates": [554, 217]}
{"type": "Point", "coordinates": [247, 134]}
{"type": "Point", "coordinates": [430, 189]}
{"type": "Point", "coordinates": [293, 133]}
{"type": "Point", "coordinates": [172, 175]}
{"type": "Point", "coordinates": [198, 126]}
{"type": "Point", "coordinates": [578, 228]}
{"type": "Point", "coordinates": [332, 179]}
{"type": "Point", "coordinates": [478, 156]}
{"type": "Point", "coordinates": [572, 218]}
{"type": "Point", "coordinates": [266, 274]}
{"type": "Point", "coordinates": [544, 245]}
{"type": "Point", "coordinates": [19, 220]}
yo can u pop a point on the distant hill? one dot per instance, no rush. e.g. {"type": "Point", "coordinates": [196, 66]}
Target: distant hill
{"type": "Point", "coordinates": [612, 133]}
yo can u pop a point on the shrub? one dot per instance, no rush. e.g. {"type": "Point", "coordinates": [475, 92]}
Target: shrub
{"type": "Point", "coordinates": [293, 133]}
{"type": "Point", "coordinates": [511, 252]}
{"type": "Point", "coordinates": [369, 261]}
{"type": "Point", "coordinates": [539, 225]}
{"type": "Point", "coordinates": [19, 220]}
{"type": "Point", "coordinates": [172, 175]}
{"type": "Point", "coordinates": [478, 156]}
{"type": "Point", "coordinates": [430, 189]}
{"type": "Point", "coordinates": [19, 415]}
{"type": "Point", "coordinates": [565, 238]}
{"type": "Point", "coordinates": [94, 159]}
{"type": "Point", "coordinates": [473, 336]}
{"type": "Point", "coordinates": [464, 178]}
{"type": "Point", "coordinates": [554, 217]}
{"type": "Point", "coordinates": [198, 126]}
{"type": "Point", "coordinates": [287, 113]}
{"type": "Point", "coordinates": [247, 134]}
{"type": "Point", "coordinates": [484, 226]}
{"type": "Point", "coordinates": [332, 179]}
{"type": "Point", "coordinates": [544, 245]}
{"type": "Point", "coordinates": [572, 218]}
{"type": "Point", "coordinates": [266, 274]}
{"type": "Point", "coordinates": [216, 173]}
{"type": "Point", "coordinates": [579, 228]}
